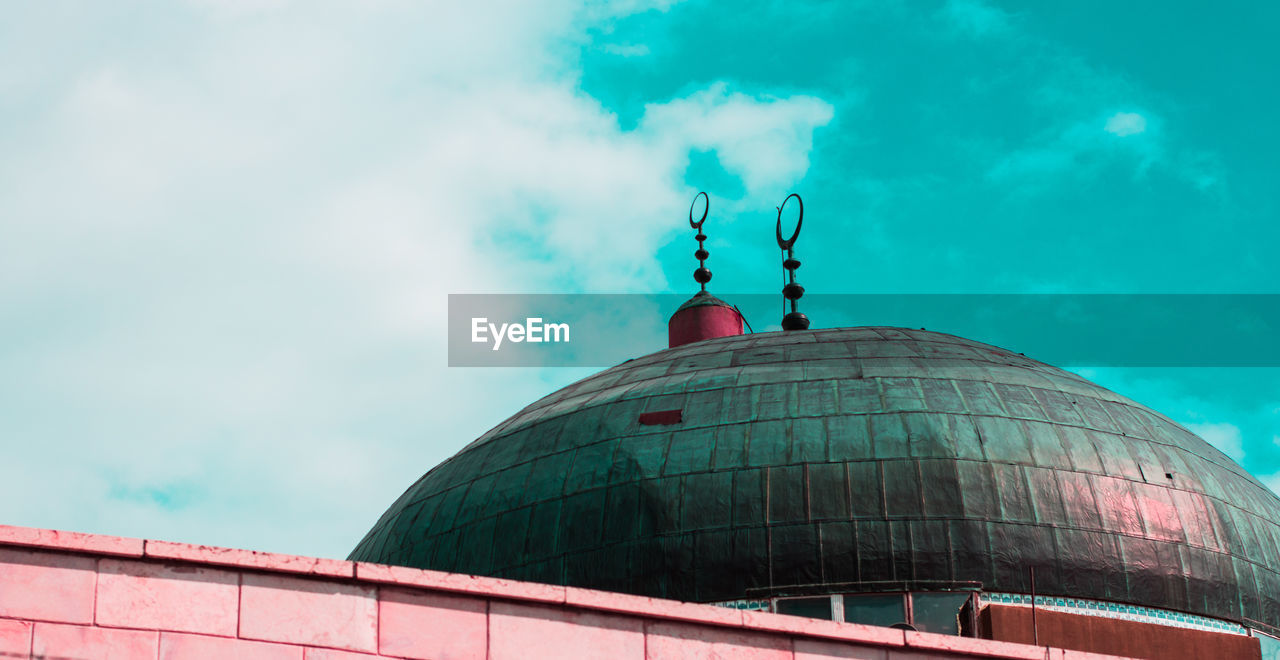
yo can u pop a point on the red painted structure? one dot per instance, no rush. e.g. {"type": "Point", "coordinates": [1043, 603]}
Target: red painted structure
{"type": "Point", "coordinates": [69, 595]}
{"type": "Point", "coordinates": [1117, 636]}
{"type": "Point", "coordinates": [703, 316]}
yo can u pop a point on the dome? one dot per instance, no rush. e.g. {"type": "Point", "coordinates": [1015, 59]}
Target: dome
{"type": "Point", "coordinates": [857, 458]}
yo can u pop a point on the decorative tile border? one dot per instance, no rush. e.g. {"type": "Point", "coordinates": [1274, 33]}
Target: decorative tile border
{"type": "Point", "coordinates": [1064, 604]}
{"type": "Point", "coordinates": [752, 605]}
{"type": "Point", "coordinates": [1116, 611]}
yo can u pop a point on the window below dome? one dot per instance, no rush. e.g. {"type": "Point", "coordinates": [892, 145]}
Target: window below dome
{"type": "Point", "coordinates": [1270, 646]}
{"type": "Point", "coordinates": [939, 612]}
{"type": "Point", "coordinates": [814, 608]}
{"type": "Point", "coordinates": [944, 612]}
{"type": "Point", "coordinates": [875, 609]}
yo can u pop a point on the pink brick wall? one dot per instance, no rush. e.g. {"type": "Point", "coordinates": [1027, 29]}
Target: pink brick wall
{"type": "Point", "coordinates": [68, 595]}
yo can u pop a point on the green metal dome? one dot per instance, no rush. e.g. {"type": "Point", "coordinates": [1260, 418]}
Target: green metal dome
{"type": "Point", "coordinates": [858, 459]}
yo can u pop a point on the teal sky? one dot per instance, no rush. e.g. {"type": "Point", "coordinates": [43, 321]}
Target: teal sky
{"type": "Point", "coordinates": [227, 229]}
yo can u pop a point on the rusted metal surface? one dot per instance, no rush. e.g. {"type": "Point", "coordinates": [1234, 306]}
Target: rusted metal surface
{"type": "Point", "coordinates": [1130, 639]}
{"type": "Point", "coordinates": [855, 459]}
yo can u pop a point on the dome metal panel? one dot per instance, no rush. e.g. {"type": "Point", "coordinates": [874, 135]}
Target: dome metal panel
{"type": "Point", "coordinates": [850, 459]}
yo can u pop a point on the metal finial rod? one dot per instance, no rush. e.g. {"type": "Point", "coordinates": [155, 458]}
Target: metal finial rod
{"type": "Point", "coordinates": [702, 275]}
{"type": "Point", "coordinates": [792, 291]}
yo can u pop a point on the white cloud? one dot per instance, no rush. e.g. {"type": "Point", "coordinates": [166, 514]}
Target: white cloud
{"type": "Point", "coordinates": [1272, 481]}
{"type": "Point", "coordinates": [1084, 111]}
{"type": "Point", "coordinates": [1126, 123]}
{"type": "Point", "coordinates": [627, 50]}
{"type": "Point", "coordinates": [1226, 437]}
{"type": "Point", "coordinates": [238, 9]}
{"type": "Point", "coordinates": [974, 17]}
{"type": "Point", "coordinates": [229, 251]}
{"type": "Point", "coordinates": [1078, 150]}
{"type": "Point", "coordinates": [766, 141]}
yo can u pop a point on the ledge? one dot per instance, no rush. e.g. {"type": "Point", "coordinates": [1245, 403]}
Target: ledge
{"type": "Point", "coordinates": [297, 590]}
{"type": "Point", "coordinates": [267, 561]}
{"type": "Point", "coordinates": [458, 583]}
{"type": "Point", "coordinates": [53, 539]}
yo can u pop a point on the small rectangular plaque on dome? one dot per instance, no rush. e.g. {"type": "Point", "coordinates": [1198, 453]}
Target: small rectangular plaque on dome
{"type": "Point", "coordinates": [661, 418]}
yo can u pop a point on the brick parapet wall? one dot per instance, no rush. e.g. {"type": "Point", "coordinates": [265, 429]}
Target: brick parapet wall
{"type": "Point", "coordinates": [71, 595]}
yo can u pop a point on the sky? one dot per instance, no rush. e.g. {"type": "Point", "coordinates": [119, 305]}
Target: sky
{"type": "Point", "coordinates": [228, 228]}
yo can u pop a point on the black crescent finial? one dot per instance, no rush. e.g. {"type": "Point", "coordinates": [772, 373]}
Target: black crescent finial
{"type": "Point", "coordinates": [702, 275]}
{"type": "Point", "coordinates": [792, 291]}
{"type": "Point", "coordinates": [786, 245]}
